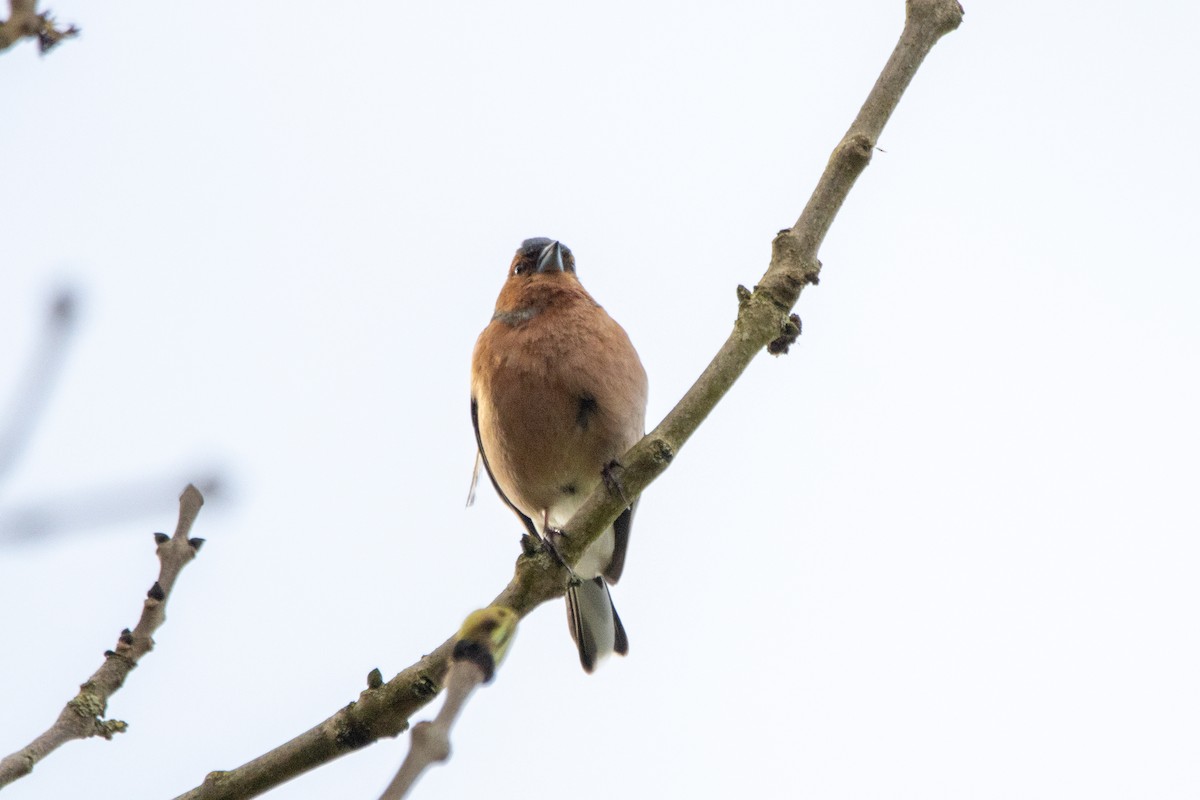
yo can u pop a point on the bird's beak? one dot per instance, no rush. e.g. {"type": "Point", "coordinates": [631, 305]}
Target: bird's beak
{"type": "Point", "coordinates": [551, 259]}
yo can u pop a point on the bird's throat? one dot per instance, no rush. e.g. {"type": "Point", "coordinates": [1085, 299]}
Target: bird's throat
{"type": "Point", "coordinates": [516, 316]}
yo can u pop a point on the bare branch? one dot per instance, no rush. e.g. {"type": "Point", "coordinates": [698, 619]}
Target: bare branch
{"type": "Point", "coordinates": [83, 715]}
{"type": "Point", "coordinates": [764, 317]}
{"type": "Point", "coordinates": [381, 710]}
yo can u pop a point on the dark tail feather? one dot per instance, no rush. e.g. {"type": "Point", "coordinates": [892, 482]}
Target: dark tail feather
{"type": "Point", "coordinates": [621, 641]}
{"type": "Point", "coordinates": [595, 626]}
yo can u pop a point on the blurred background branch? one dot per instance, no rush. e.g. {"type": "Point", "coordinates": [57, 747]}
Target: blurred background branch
{"type": "Point", "coordinates": [32, 392]}
{"type": "Point", "coordinates": [103, 505]}
{"type": "Point", "coordinates": [62, 512]}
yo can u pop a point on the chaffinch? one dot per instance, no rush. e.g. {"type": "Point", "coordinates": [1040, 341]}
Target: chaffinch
{"type": "Point", "coordinates": [557, 395]}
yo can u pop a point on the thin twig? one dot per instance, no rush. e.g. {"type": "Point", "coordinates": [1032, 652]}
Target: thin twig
{"type": "Point", "coordinates": [83, 715]}
{"type": "Point", "coordinates": [764, 316]}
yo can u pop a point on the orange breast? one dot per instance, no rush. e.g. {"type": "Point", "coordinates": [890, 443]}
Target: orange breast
{"type": "Point", "coordinates": [560, 395]}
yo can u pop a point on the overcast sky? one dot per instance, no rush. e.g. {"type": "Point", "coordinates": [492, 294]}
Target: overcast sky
{"type": "Point", "coordinates": [945, 548]}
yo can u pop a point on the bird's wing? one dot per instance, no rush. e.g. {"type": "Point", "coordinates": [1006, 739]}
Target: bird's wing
{"type": "Point", "coordinates": [529, 526]}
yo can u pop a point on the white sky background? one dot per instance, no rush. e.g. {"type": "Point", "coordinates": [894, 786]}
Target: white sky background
{"type": "Point", "coordinates": [945, 548]}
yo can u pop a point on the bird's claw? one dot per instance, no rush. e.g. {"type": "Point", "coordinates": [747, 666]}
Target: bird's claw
{"type": "Point", "coordinates": [609, 476]}
{"type": "Point", "coordinates": [550, 539]}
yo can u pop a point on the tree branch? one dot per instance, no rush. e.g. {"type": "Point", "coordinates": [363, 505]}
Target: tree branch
{"type": "Point", "coordinates": [381, 710]}
{"type": "Point", "coordinates": [764, 318]}
{"type": "Point", "coordinates": [83, 715]}
{"type": "Point", "coordinates": [24, 21]}
{"type": "Point", "coordinates": [764, 315]}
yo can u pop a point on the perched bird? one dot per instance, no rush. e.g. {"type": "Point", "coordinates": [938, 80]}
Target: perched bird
{"type": "Point", "coordinates": [557, 395]}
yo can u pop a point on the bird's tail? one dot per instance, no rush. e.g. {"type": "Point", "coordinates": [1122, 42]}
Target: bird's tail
{"type": "Point", "coordinates": [595, 626]}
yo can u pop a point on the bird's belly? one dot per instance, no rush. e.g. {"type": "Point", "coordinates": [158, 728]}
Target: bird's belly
{"type": "Point", "coordinates": [547, 474]}
{"type": "Point", "coordinates": [598, 556]}
{"type": "Point", "coordinates": [544, 453]}
{"type": "Point", "coordinates": [542, 469]}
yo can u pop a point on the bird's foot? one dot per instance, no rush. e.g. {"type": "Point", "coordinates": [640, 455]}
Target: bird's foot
{"type": "Point", "coordinates": [550, 539]}
{"type": "Point", "coordinates": [609, 475]}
